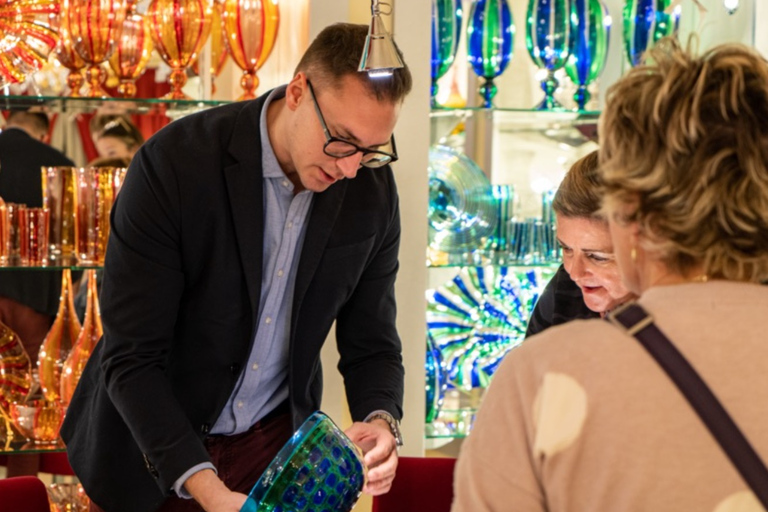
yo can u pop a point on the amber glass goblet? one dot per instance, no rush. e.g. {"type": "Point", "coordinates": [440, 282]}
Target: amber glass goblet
{"type": "Point", "coordinates": [94, 26]}
{"type": "Point", "coordinates": [134, 47]}
{"type": "Point", "coordinates": [179, 31]}
{"type": "Point", "coordinates": [251, 30]}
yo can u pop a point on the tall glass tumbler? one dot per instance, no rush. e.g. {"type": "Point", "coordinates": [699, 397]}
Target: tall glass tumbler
{"type": "Point", "coordinates": [59, 198]}
{"type": "Point", "coordinates": [33, 237]}
{"type": "Point", "coordinates": [13, 213]}
{"type": "Point", "coordinates": [94, 197]}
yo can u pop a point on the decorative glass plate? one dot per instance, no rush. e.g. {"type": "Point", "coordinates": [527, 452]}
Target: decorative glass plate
{"type": "Point", "coordinates": [318, 470]}
{"type": "Point", "coordinates": [462, 212]}
{"type": "Point", "coordinates": [478, 316]}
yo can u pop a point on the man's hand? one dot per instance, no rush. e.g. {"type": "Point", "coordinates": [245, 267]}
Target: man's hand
{"type": "Point", "coordinates": [211, 493]}
{"type": "Point", "coordinates": [379, 454]}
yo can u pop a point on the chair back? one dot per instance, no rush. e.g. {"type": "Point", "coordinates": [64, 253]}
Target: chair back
{"type": "Point", "coordinates": [23, 494]}
{"type": "Point", "coordinates": [421, 484]}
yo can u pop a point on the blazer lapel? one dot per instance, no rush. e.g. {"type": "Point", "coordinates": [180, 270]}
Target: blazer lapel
{"type": "Point", "coordinates": [325, 209]}
{"type": "Point", "coordinates": [246, 196]}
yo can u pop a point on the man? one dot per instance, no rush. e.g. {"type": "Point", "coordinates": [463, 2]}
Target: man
{"type": "Point", "coordinates": [29, 299]}
{"type": "Point", "coordinates": [238, 238]}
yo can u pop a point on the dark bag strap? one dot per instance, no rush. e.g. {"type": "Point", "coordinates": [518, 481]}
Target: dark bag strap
{"type": "Point", "coordinates": [639, 323]}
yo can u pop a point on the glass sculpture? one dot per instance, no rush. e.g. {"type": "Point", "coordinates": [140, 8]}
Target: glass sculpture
{"type": "Point", "coordinates": [461, 211]}
{"type": "Point", "coordinates": [446, 32]}
{"type": "Point", "coordinates": [490, 36]}
{"type": "Point", "coordinates": [437, 382]}
{"type": "Point", "coordinates": [478, 316]}
{"type": "Point", "coordinates": [15, 368]}
{"type": "Point", "coordinates": [318, 469]}
{"type": "Point", "coordinates": [179, 31]}
{"type": "Point", "coordinates": [645, 22]}
{"type": "Point", "coordinates": [27, 37]}
{"type": "Point", "coordinates": [219, 51]}
{"type": "Point", "coordinates": [251, 30]}
{"type": "Point", "coordinates": [548, 39]}
{"type": "Point", "coordinates": [591, 32]}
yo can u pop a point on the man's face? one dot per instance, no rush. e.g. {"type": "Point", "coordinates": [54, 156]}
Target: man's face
{"type": "Point", "coordinates": [350, 112]}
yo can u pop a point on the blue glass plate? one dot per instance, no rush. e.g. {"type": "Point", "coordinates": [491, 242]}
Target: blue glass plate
{"type": "Point", "coordinates": [318, 470]}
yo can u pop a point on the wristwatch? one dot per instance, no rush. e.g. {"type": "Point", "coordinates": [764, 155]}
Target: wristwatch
{"type": "Point", "coordinates": [394, 425]}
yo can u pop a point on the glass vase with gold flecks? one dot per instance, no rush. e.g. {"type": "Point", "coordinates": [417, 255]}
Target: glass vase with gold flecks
{"type": "Point", "coordinates": [90, 334]}
{"type": "Point", "coordinates": [59, 341]}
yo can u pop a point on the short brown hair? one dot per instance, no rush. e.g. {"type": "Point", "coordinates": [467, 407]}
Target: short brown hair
{"type": "Point", "coordinates": [684, 140]}
{"type": "Point", "coordinates": [335, 53]}
{"type": "Point", "coordinates": [579, 193]}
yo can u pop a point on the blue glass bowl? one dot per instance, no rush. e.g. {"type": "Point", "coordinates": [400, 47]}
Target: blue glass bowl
{"type": "Point", "coordinates": [318, 470]}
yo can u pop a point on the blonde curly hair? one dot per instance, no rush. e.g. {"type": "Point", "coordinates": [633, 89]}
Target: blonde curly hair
{"type": "Point", "coordinates": [684, 140]}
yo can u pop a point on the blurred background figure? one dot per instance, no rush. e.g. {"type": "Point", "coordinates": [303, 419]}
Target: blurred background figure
{"type": "Point", "coordinates": [581, 416]}
{"type": "Point", "coordinates": [29, 299]}
{"type": "Point", "coordinates": [115, 136]}
{"type": "Point", "coordinates": [587, 284]}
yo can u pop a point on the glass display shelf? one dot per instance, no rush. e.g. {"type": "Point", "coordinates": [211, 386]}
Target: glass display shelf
{"type": "Point", "coordinates": [62, 104]}
{"type": "Point", "coordinates": [19, 445]}
{"type": "Point", "coordinates": [54, 266]}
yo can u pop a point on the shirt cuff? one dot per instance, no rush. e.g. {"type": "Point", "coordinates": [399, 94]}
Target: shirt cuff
{"type": "Point", "coordinates": [178, 485]}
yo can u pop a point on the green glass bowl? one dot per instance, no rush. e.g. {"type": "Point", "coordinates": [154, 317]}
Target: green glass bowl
{"type": "Point", "coordinates": [318, 470]}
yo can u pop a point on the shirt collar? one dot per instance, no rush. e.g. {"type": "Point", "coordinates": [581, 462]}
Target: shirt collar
{"type": "Point", "coordinates": [270, 166]}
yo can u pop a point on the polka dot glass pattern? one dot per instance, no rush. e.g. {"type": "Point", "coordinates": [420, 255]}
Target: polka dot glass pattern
{"type": "Point", "coordinates": [318, 470]}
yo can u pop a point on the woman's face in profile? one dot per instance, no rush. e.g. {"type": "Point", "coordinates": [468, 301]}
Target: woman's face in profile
{"type": "Point", "coordinates": [589, 260]}
{"type": "Point", "coordinates": [113, 147]}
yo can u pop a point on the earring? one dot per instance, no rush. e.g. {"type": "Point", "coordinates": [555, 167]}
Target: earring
{"type": "Point", "coordinates": [633, 255]}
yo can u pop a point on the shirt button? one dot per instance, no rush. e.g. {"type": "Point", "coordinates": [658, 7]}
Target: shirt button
{"type": "Point", "coordinates": [240, 405]}
{"type": "Point", "coordinates": [268, 320]}
{"type": "Point", "coordinates": [290, 224]}
{"type": "Point", "coordinates": [285, 183]}
{"type": "Point", "coordinates": [255, 366]}
{"type": "Point", "coordinates": [279, 273]}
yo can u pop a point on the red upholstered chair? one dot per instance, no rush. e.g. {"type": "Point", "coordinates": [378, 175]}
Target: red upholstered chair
{"type": "Point", "coordinates": [421, 484]}
{"type": "Point", "coordinates": [56, 463]}
{"type": "Point", "coordinates": [23, 493]}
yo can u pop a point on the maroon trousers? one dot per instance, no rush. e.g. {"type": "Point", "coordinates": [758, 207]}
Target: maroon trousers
{"type": "Point", "coordinates": [239, 459]}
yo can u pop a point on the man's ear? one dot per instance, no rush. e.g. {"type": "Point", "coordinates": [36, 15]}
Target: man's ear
{"type": "Point", "coordinates": [296, 90]}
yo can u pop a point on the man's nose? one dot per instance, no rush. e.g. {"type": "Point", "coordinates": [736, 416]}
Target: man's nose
{"type": "Point", "coordinates": [349, 165]}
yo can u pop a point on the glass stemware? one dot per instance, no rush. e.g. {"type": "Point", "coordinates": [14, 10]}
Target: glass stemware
{"type": "Point", "coordinates": [548, 39]}
{"type": "Point", "coordinates": [490, 35]}
{"type": "Point", "coordinates": [251, 30]}
{"type": "Point", "coordinates": [591, 33]}
{"type": "Point", "coordinates": [134, 47]}
{"type": "Point", "coordinates": [645, 22]}
{"type": "Point", "coordinates": [446, 32]}
{"type": "Point", "coordinates": [179, 30]}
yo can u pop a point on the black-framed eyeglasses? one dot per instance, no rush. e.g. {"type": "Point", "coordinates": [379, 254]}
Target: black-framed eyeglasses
{"type": "Point", "coordinates": [342, 148]}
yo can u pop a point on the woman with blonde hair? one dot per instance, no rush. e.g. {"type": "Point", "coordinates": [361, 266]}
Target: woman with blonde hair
{"type": "Point", "coordinates": [581, 417]}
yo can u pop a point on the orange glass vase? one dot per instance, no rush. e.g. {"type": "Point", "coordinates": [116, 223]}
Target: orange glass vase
{"type": "Point", "coordinates": [94, 26]}
{"type": "Point", "coordinates": [27, 37]}
{"type": "Point", "coordinates": [90, 334]}
{"type": "Point", "coordinates": [129, 61]}
{"type": "Point", "coordinates": [251, 30]}
{"type": "Point", "coordinates": [58, 342]}
{"type": "Point", "coordinates": [179, 31]}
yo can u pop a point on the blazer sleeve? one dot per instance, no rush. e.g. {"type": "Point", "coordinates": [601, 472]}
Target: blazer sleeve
{"type": "Point", "coordinates": [140, 299]}
{"type": "Point", "coordinates": [366, 332]}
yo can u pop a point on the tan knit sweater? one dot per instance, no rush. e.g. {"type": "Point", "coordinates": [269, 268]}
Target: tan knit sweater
{"type": "Point", "coordinates": [581, 418]}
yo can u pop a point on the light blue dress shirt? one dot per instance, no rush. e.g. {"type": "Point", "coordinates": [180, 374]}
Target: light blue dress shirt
{"type": "Point", "coordinates": [263, 382]}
